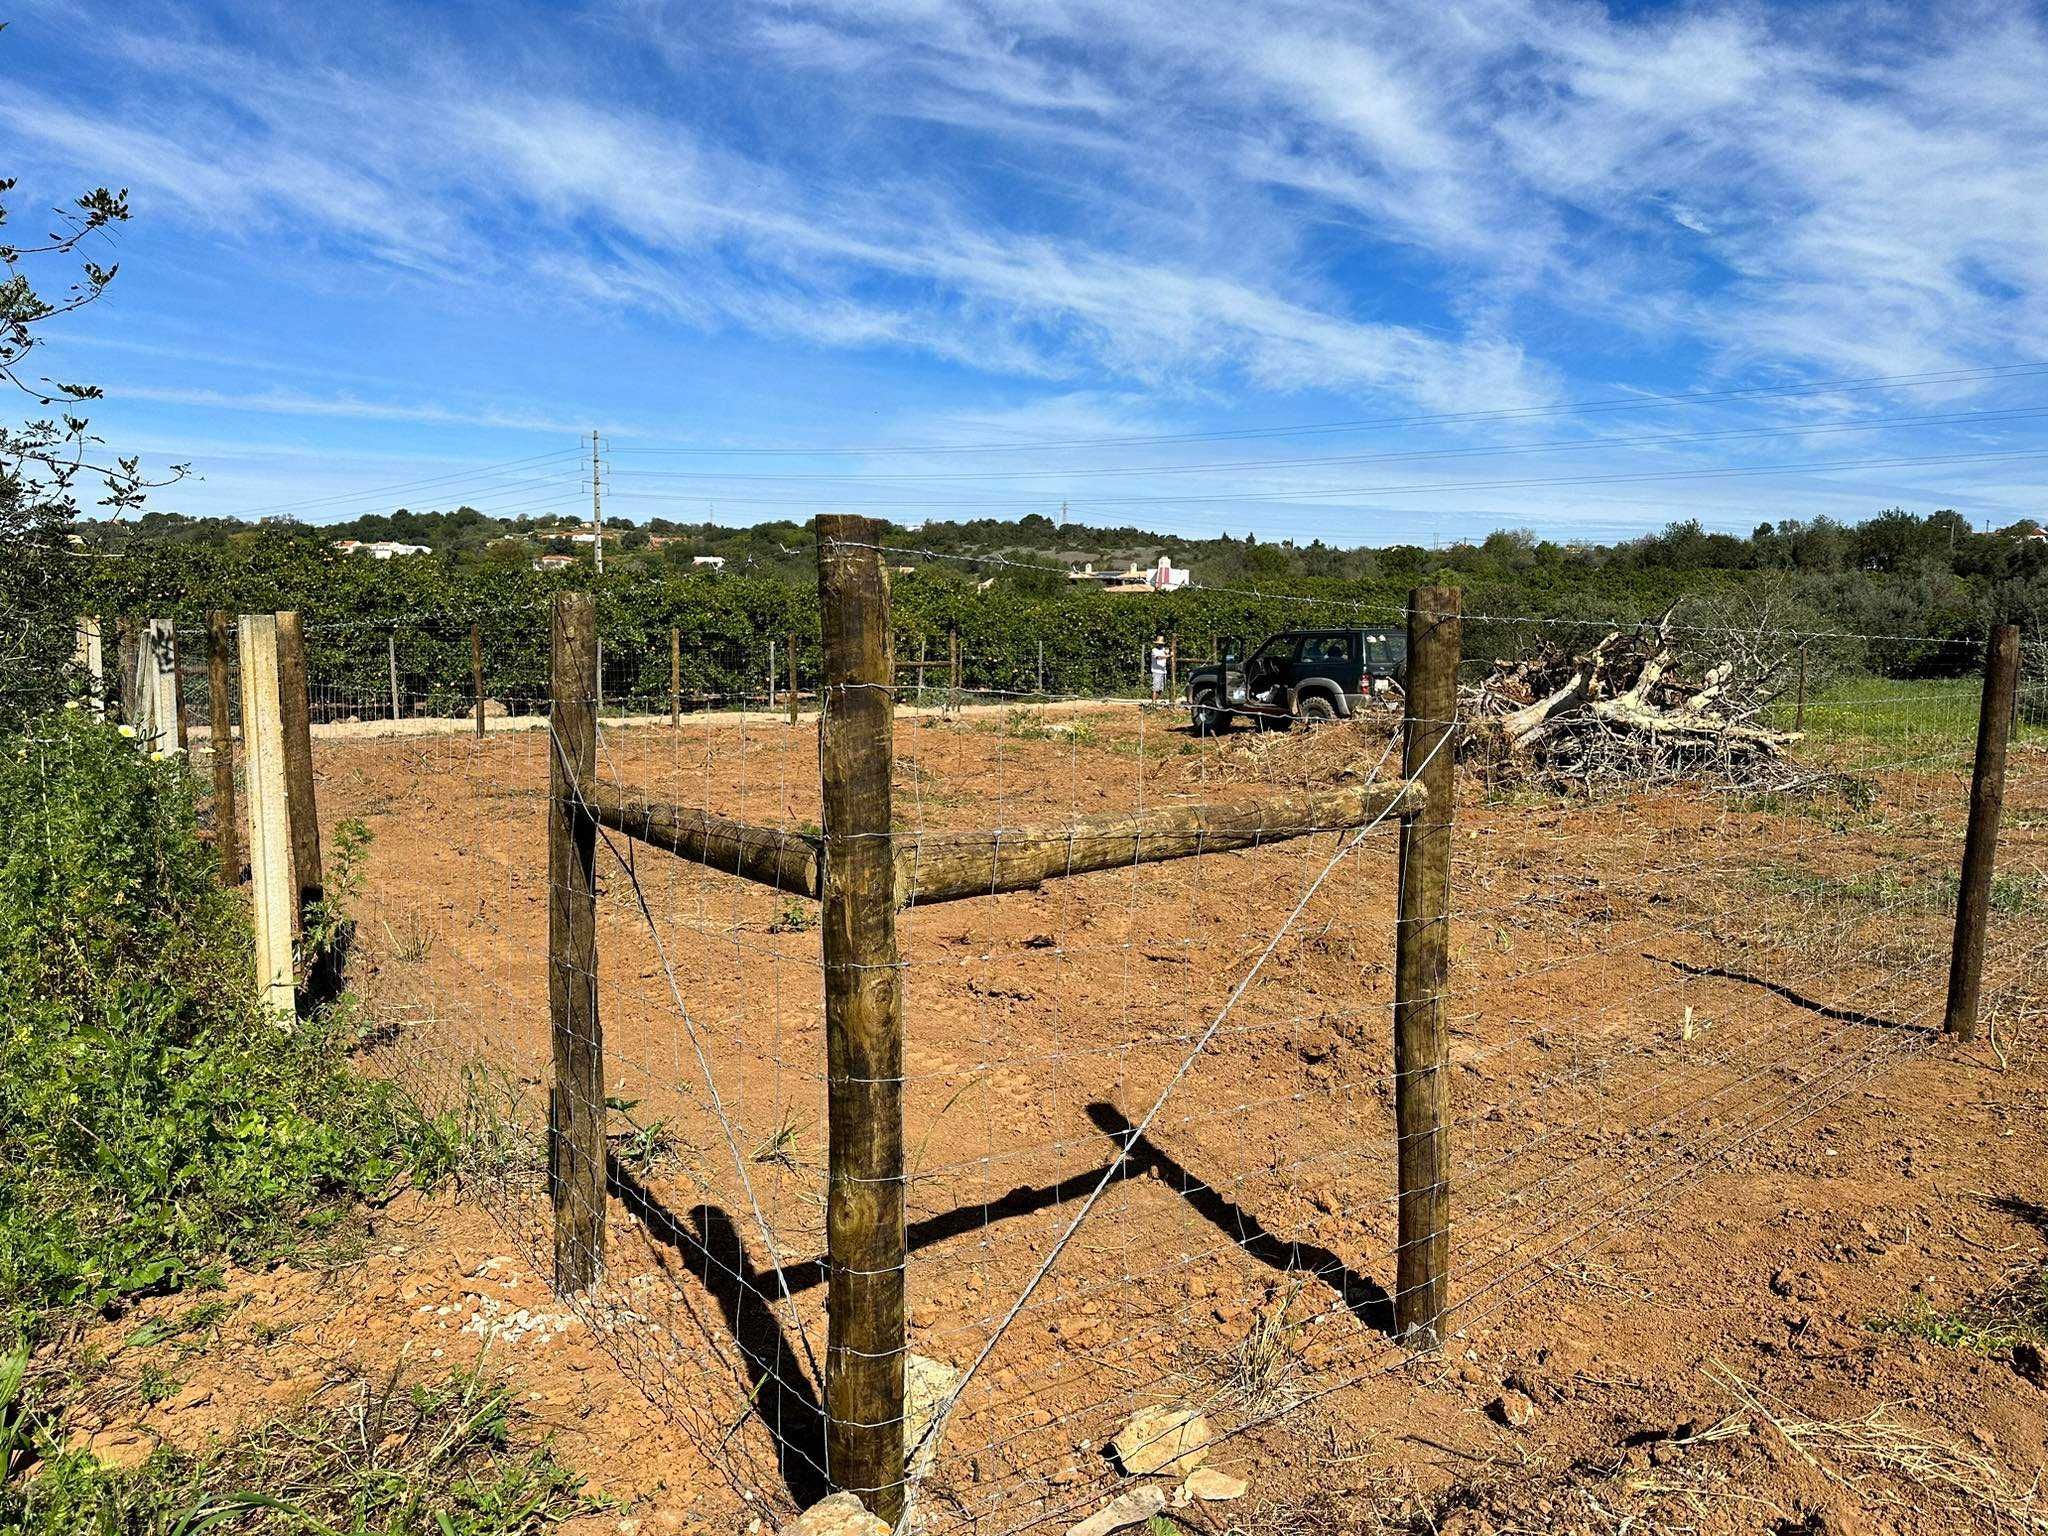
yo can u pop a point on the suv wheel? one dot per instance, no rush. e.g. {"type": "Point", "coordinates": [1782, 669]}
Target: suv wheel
{"type": "Point", "coordinates": [1317, 710]}
{"type": "Point", "coordinates": [1208, 719]}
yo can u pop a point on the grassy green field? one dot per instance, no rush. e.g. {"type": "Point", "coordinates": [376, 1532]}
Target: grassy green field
{"type": "Point", "coordinates": [1906, 718]}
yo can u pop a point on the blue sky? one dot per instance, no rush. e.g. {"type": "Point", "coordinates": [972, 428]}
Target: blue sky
{"type": "Point", "coordinates": [994, 256]}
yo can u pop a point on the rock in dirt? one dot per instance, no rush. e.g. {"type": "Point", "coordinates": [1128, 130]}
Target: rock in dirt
{"type": "Point", "coordinates": [1211, 1484]}
{"type": "Point", "coordinates": [1513, 1409]}
{"type": "Point", "coordinates": [927, 1384]}
{"type": "Point", "coordinates": [1169, 1440]}
{"type": "Point", "coordinates": [842, 1514]}
{"type": "Point", "coordinates": [1125, 1509]}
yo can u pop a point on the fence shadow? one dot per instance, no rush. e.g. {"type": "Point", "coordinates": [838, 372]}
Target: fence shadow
{"type": "Point", "coordinates": [781, 1394]}
{"type": "Point", "coordinates": [1797, 999]}
{"type": "Point", "coordinates": [1366, 1298]}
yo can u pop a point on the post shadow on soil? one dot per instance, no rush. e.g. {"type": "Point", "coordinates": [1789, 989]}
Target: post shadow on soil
{"type": "Point", "coordinates": [1366, 1298]}
{"type": "Point", "coordinates": [781, 1394]}
{"type": "Point", "coordinates": [1796, 999]}
{"type": "Point", "coordinates": [788, 1402]}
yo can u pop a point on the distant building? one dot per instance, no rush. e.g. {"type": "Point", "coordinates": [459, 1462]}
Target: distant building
{"type": "Point", "coordinates": [380, 549]}
{"type": "Point", "coordinates": [709, 562]}
{"type": "Point", "coordinates": [1133, 577]}
{"type": "Point", "coordinates": [555, 562]}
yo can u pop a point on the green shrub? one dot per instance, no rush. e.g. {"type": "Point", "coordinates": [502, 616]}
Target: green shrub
{"type": "Point", "coordinates": [150, 1119]}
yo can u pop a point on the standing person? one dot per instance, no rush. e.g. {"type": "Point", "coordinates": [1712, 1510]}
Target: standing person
{"type": "Point", "coordinates": [1158, 669]}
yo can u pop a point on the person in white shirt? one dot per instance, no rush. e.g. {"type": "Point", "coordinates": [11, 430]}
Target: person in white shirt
{"type": "Point", "coordinates": [1158, 659]}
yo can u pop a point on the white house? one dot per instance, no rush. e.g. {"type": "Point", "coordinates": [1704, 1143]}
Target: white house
{"type": "Point", "coordinates": [380, 549]}
{"type": "Point", "coordinates": [709, 562]}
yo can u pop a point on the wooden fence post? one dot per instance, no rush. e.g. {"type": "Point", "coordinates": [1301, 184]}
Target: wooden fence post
{"type": "Point", "coordinates": [953, 669]}
{"type": "Point", "coordinates": [476, 673]}
{"type": "Point", "coordinates": [125, 650]}
{"type": "Point", "coordinates": [1799, 712]}
{"type": "Point", "coordinates": [391, 648]}
{"type": "Point", "coordinates": [270, 842]}
{"type": "Point", "coordinates": [295, 708]}
{"type": "Point", "coordinates": [576, 1110]}
{"type": "Point", "coordinates": [220, 733]}
{"type": "Point", "coordinates": [156, 687]}
{"type": "Point", "coordinates": [863, 1023]}
{"type": "Point", "coordinates": [1041, 668]}
{"type": "Point", "coordinates": [1980, 842]}
{"type": "Point", "coordinates": [1172, 667]}
{"type": "Point", "coordinates": [1421, 965]}
{"type": "Point", "coordinates": [924, 645]}
{"type": "Point", "coordinates": [772, 676]}
{"type": "Point", "coordinates": [675, 678]}
{"type": "Point", "coordinates": [178, 694]}
{"type": "Point", "coordinates": [90, 656]}
{"type": "Point", "coordinates": [792, 679]}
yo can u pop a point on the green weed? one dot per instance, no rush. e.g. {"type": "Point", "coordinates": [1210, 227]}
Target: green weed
{"type": "Point", "coordinates": [151, 1119]}
{"type": "Point", "coordinates": [425, 1459]}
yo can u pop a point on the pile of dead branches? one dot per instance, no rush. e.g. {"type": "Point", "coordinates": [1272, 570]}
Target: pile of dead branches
{"type": "Point", "coordinates": [1649, 705]}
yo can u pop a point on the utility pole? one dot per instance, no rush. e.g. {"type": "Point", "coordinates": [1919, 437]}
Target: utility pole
{"type": "Point", "coordinates": [596, 508]}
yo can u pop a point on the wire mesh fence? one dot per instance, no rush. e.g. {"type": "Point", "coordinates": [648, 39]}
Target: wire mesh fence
{"type": "Point", "coordinates": [1150, 1144]}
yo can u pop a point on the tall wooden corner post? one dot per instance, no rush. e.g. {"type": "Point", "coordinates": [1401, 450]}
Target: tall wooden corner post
{"type": "Point", "coordinates": [576, 1171]}
{"type": "Point", "coordinates": [309, 884]}
{"type": "Point", "coordinates": [1421, 965]}
{"type": "Point", "coordinates": [295, 704]}
{"type": "Point", "coordinates": [863, 1023]}
{"type": "Point", "coordinates": [270, 848]}
{"type": "Point", "coordinates": [220, 736]}
{"type": "Point", "coordinates": [1980, 842]}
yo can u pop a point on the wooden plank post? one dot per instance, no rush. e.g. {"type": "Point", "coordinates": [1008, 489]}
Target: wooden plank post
{"type": "Point", "coordinates": [270, 839]}
{"type": "Point", "coordinates": [89, 654]}
{"type": "Point", "coordinates": [576, 1110]}
{"type": "Point", "coordinates": [178, 694]}
{"type": "Point", "coordinates": [220, 734]}
{"type": "Point", "coordinates": [1980, 841]}
{"type": "Point", "coordinates": [675, 678]}
{"type": "Point", "coordinates": [476, 674]}
{"type": "Point", "coordinates": [1421, 964]}
{"type": "Point", "coordinates": [295, 705]}
{"type": "Point", "coordinates": [863, 1023]}
{"type": "Point", "coordinates": [772, 676]}
{"type": "Point", "coordinates": [792, 679]}
{"type": "Point", "coordinates": [952, 669]}
{"type": "Point", "coordinates": [391, 649]}
{"type": "Point", "coordinates": [156, 688]}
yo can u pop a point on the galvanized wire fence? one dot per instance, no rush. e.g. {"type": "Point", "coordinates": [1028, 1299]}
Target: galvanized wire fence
{"type": "Point", "coordinates": [1150, 1146]}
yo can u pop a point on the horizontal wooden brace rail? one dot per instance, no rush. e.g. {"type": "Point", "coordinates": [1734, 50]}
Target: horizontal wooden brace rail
{"type": "Point", "coordinates": [786, 860]}
{"type": "Point", "coordinates": [950, 866]}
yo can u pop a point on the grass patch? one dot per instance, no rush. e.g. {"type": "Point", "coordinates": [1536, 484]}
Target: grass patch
{"type": "Point", "coordinates": [427, 1458]}
{"type": "Point", "coordinates": [2015, 1314]}
{"type": "Point", "coordinates": [1897, 718]}
{"type": "Point", "coordinates": [2016, 893]}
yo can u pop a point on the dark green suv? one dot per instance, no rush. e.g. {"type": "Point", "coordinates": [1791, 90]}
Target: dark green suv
{"type": "Point", "coordinates": [1300, 674]}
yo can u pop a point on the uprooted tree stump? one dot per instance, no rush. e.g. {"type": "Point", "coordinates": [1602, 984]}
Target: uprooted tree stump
{"type": "Point", "coordinates": [1634, 706]}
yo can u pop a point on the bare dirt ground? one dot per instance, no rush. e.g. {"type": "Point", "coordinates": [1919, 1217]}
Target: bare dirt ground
{"type": "Point", "coordinates": [1706, 1143]}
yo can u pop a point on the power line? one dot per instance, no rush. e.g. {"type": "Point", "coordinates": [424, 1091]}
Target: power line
{"type": "Point", "coordinates": [1951, 418]}
{"type": "Point", "coordinates": [399, 488]}
{"type": "Point", "coordinates": [1310, 493]}
{"type": "Point", "coordinates": [1643, 402]}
